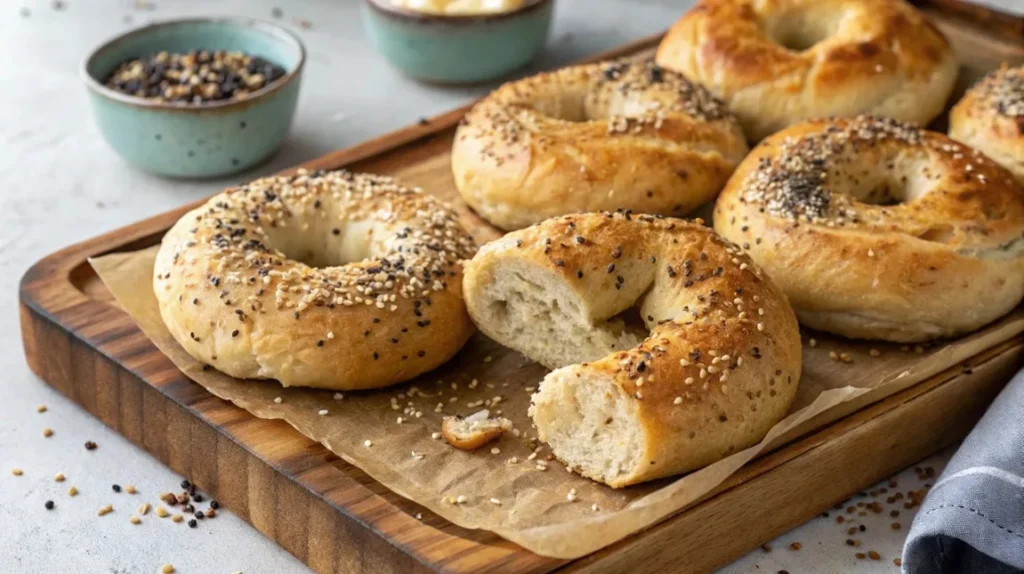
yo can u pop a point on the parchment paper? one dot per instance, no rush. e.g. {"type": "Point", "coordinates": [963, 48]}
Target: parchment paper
{"type": "Point", "coordinates": [534, 509]}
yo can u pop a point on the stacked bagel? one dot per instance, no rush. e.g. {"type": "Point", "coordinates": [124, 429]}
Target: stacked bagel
{"type": "Point", "coordinates": [672, 344]}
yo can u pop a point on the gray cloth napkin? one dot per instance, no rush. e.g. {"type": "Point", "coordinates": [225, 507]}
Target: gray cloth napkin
{"type": "Point", "coordinates": [973, 518]}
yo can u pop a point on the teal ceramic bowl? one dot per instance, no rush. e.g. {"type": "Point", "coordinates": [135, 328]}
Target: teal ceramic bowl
{"type": "Point", "coordinates": [197, 140]}
{"type": "Point", "coordinates": [457, 49]}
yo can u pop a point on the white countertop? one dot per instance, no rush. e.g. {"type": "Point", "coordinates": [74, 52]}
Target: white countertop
{"type": "Point", "coordinates": [59, 184]}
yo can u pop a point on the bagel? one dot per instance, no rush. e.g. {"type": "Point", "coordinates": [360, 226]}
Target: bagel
{"type": "Point", "coordinates": [879, 230]}
{"type": "Point", "coordinates": [709, 365]}
{"type": "Point", "coordinates": [779, 62]}
{"type": "Point", "coordinates": [990, 117]}
{"type": "Point", "coordinates": [595, 137]}
{"type": "Point", "coordinates": [331, 280]}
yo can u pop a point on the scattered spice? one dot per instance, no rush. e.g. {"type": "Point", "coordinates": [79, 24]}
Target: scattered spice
{"type": "Point", "coordinates": [90, 445]}
{"type": "Point", "coordinates": [49, 505]}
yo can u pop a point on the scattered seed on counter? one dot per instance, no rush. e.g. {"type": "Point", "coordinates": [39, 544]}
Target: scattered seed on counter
{"type": "Point", "coordinates": [143, 509]}
{"type": "Point", "coordinates": [104, 510]}
{"type": "Point", "coordinates": [47, 432]}
{"type": "Point", "coordinates": [874, 555]}
{"type": "Point", "coordinates": [177, 518]}
{"type": "Point", "coordinates": [167, 569]}
{"type": "Point", "coordinates": [162, 512]}
{"type": "Point", "coordinates": [323, 412]}
{"type": "Point", "coordinates": [41, 409]}
{"type": "Point", "coordinates": [193, 523]}
{"type": "Point", "coordinates": [16, 471]}
{"type": "Point", "coordinates": [130, 489]}
{"type": "Point", "coordinates": [214, 504]}
{"type": "Point", "coordinates": [277, 400]}
{"type": "Point", "coordinates": [116, 487]}
{"type": "Point", "coordinates": [496, 502]}
{"type": "Point", "coordinates": [49, 505]}
{"type": "Point", "coordinates": [195, 77]}
{"type": "Point", "coordinates": [796, 546]}
{"type": "Point", "coordinates": [135, 520]}
{"type": "Point", "coordinates": [210, 513]}
{"type": "Point", "coordinates": [72, 491]}
{"type": "Point", "coordinates": [571, 496]}
{"type": "Point", "coordinates": [59, 477]}
{"type": "Point", "coordinates": [90, 445]}
{"type": "Point", "coordinates": [367, 443]}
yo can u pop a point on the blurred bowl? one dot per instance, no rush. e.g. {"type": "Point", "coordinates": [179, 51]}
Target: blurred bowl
{"type": "Point", "coordinates": [457, 48]}
{"type": "Point", "coordinates": [197, 140]}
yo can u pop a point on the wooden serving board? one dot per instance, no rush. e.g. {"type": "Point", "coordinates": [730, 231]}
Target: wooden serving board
{"type": "Point", "coordinates": [335, 518]}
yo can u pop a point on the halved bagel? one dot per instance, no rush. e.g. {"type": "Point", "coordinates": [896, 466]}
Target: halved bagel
{"type": "Point", "coordinates": [707, 366]}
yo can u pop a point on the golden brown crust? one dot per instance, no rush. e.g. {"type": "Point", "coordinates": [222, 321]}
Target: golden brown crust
{"type": "Point", "coordinates": [595, 137]}
{"type": "Point", "coordinates": [990, 117]}
{"type": "Point", "coordinates": [844, 57]}
{"type": "Point", "coordinates": [722, 360]}
{"type": "Point", "coordinates": [879, 230]}
{"type": "Point", "coordinates": [233, 299]}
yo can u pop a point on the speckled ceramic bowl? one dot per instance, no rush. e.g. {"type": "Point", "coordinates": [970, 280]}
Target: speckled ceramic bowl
{"type": "Point", "coordinates": [457, 49]}
{"type": "Point", "coordinates": [197, 140]}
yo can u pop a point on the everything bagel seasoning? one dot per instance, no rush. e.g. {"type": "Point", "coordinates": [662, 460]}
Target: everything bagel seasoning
{"type": "Point", "coordinates": [196, 77]}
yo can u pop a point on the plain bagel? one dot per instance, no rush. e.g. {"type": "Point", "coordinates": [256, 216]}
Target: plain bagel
{"type": "Point", "coordinates": [778, 62]}
{"type": "Point", "coordinates": [615, 135]}
{"type": "Point", "coordinates": [332, 280]}
{"type": "Point", "coordinates": [990, 117]}
{"type": "Point", "coordinates": [708, 365]}
{"type": "Point", "coordinates": [879, 230]}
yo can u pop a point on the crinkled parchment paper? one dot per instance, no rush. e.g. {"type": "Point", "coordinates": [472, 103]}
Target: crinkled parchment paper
{"type": "Point", "coordinates": [534, 509]}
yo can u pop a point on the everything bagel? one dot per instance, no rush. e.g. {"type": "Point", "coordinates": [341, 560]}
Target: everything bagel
{"type": "Point", "coordinates": [608, 136]}
{"type": "Point", "coordinates": [332, 280]}
{"type": "Point", "coordinates": [778, 62]}
{"type": "Point", "coordinates": [990, 117]}
{"type": "Point", "coordinates": [709, 364]}
{"type": "Point", "coordinates": [879, 230]}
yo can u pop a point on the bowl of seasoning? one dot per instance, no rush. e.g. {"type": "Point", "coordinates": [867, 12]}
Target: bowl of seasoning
{"type": "Point", "coordinates": [196, 97]}
{"type": "Point", "coordinates": [458, 41]}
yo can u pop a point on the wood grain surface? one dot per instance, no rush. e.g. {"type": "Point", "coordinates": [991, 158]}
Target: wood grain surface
{"type": "Point", "coordinates": [336, 519]}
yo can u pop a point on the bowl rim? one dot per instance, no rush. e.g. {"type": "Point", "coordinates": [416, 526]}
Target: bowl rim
{"type": "Point", "coordinates": [386, 7]}
{"type": "Point", "coordinates": [99, 88]}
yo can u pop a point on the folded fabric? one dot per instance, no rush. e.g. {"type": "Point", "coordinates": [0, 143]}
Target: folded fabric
{"type": "Point", "coordinates": [973, 518]}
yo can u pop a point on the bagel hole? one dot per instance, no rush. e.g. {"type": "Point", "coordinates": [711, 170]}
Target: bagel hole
{"type": "Point", "coordinates": [802, 28]}
{"type": "Point", "coordinates": [629, 323]}
{"type": "Point", "coordinates": [798, 40]}
{"type": "Point", "coordinates": [324, 244]}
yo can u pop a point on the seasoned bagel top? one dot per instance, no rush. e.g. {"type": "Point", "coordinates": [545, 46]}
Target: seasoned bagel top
{"type": "Point", "coordinates": [334, 280]}
{"type": "Point", "coordinates": [776, 62]}
{"type": "Point", "coordinates": [594, 137]}
{"type": "Point", "coordinates": [876, 175]}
